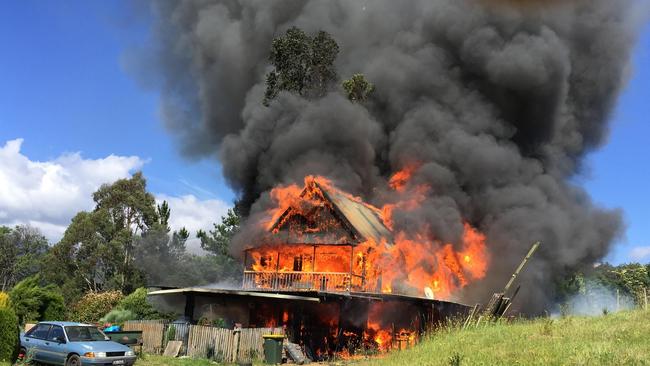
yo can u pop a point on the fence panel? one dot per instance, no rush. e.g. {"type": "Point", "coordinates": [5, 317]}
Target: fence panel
{"type": "Point", "coordinates": [209, 342]}
{"type": "Point", "coordinates": [152, 334]}
{"type": "Point", "coordinates": [219, 344]}
{"type": "Point", "coordinates": [182, 334]}
{"type": "Point", "coordinates": [251, 343]}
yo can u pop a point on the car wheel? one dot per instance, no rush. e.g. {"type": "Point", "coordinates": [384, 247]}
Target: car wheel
{"type": "Point", "coordinates": [73, 360]}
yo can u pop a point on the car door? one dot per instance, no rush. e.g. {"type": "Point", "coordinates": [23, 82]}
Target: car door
{"type": "Point", "coordinates": [55, 346]}
{"type": "Point", "coordinates": [34, 341]}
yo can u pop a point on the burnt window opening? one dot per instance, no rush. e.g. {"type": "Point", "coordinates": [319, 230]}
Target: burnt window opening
{"type": "Point", "coordinates": [266, 261]}
{"type": "Point", "coordinates": [297, 263]}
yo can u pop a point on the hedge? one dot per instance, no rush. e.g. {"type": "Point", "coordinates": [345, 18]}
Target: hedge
{"type": "Point", "coordinates": [9, 334]}
{"type": "Point", "coordinates": [94, 305]}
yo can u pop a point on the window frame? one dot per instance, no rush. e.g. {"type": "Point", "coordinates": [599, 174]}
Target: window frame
{"type": "Point", "coordinates": [31, 332]}
{"type": "Point", "coordinates": [54, 326]}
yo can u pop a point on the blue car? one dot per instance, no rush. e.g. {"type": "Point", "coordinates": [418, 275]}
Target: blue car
{"type": "Point", "coordinates": [73, 344]}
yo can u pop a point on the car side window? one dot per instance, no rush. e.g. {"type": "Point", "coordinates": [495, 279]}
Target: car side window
{"type": "Point", "coordinates": [40, 331]}
{"type": "Point", "coordinates": [56, 334]}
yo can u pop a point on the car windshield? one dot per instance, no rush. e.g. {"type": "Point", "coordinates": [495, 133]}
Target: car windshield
{"type": "Point", "coordinates": [84, 334]}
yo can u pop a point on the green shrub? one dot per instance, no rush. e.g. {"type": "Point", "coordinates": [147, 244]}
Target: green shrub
{"type": "Point", "coordinates": [138, 305]}
{"type": "Point", "coordinates": [171, 333]}
{"type": "Point", "coordinates": [54, 307]}
{"type": "Point", "coordinates": [118, 316]}
{"type": "Point", "coordinates": [31, 302]}
{"type": "Point", "coordinates": [8, 334]}
{"type": "Point", "coordinates": [94, 305]}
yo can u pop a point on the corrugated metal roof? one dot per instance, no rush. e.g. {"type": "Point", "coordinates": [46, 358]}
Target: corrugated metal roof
{"type": "Point", "coordinates": [366, 221]}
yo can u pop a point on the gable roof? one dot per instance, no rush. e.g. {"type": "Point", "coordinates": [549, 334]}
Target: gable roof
{"type": "Point", "coordinates": [362, 220]}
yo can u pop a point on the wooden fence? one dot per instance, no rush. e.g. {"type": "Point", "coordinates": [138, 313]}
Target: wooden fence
{"type": "Point", "coordinates": [152, 334]}
{"type": "Point", "coordinates": [219, 344]}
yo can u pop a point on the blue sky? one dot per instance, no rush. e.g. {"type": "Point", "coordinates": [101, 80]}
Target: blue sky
{"type": "Point", "coordinates": [64, 89]}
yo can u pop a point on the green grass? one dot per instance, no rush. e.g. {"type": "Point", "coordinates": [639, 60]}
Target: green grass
{"type": "Point", "coordinates": [151, 360]}
{"type": "Point", "coordinates": [614, 339]}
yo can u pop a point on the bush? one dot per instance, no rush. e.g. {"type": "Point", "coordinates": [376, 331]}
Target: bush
{"type": "Point", "coordinates": [31, 302]}
{"type": "Point", "coordinates": [171, 333]}
{"type": "Point", "coordinates": [94, 305]}
{"type": "Point", "coordinates": [138, 305]}
{"type": "Point", "coordinates": [8, 334]}
{"type": "Point", "coordinates": [118, 316]}
{"type": "Point", "coordinates": [4, 299]}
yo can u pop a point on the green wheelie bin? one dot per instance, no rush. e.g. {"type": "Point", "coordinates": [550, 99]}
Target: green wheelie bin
{"type": "Point", "coordinates": [273, 348]}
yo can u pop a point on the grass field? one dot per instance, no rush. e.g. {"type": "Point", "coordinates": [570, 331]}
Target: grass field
{"type": "Point", "coordinates": [614, 339]}
{"type": "Point", "coordinates": [150, 360]}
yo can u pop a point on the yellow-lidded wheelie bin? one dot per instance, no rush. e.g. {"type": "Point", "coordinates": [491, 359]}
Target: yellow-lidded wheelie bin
{"type": "Point", "coordinates": [273, 348]}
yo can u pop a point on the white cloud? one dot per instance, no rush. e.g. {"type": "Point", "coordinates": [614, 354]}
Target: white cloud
{"type": "Point", "coordinates": [193, 214]}
{"type": "Point", "coordinates": [640, 253]}
{"type": "Point", "coordinates": [47, 194]}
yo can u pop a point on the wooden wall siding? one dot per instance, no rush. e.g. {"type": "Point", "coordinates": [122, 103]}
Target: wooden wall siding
{"type": "Point", "coordinates": [219, 344]}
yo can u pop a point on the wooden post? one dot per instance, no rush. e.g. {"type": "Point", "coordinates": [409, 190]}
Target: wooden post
{"type": "Point", "coordinates": [245, 263]}
{"type": "Point", "coordinates": [351, 265]}
{"type": "Point", "coordinates": [521, 266]}
{"type": "Point", "coordinates": [235, 347]}
{"type": "Point", "coordinates": [313, 270]}
{"type": "Point", "coordinates": [470, 318]}
{"type": "Point", "coordinates": [645, 299]}
{"type": "Point", "coordinates": [618, 300]}
{"type": "Point", "coordinates": [277, 269]}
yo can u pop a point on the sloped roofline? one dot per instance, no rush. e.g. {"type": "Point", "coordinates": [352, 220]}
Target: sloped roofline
{"type": "Point", "coordinates": [375, 229]}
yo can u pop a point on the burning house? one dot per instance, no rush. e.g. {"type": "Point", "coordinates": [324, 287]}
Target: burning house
{"type": "Point", "coordinates": [331, 271]}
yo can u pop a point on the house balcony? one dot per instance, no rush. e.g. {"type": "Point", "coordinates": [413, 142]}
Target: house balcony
{"type": "Point", "coordinates": [303, 281]}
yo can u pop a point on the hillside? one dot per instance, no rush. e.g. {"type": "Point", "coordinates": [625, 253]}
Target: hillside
{"type": "Point", "coordinates": [614, 339]}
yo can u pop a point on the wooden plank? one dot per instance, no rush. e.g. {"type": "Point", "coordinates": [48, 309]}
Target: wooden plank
{"type": "Point", "coordinates": [173, 348]}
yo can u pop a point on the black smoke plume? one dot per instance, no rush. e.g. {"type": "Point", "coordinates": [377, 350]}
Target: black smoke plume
{"type": "Point", "coordinates": [498, 103]}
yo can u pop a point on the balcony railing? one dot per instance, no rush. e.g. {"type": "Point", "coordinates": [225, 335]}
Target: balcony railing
{"type": "Point", "coordinates": [302, 281]}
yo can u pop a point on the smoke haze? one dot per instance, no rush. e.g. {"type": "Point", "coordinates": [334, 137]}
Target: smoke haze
{"type": "Point", "coordinates": [497, 104]}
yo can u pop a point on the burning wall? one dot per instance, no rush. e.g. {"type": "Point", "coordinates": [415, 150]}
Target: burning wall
{"type": "Point", "coordinates": [491, 106]}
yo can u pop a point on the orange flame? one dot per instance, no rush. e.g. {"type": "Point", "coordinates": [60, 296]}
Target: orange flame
{"type": "Point", "coordinates": [409, 263]}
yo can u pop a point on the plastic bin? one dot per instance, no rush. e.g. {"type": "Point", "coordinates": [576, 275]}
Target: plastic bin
{"type": "Point", "coordinates": [273, 348]}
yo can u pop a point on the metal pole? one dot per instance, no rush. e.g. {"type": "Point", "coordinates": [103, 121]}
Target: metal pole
{"type": "Point", "coordinates": [521, 266]}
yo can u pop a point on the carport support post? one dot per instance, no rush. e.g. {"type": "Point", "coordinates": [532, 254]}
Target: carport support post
{"type": "Point", "coordinates": [189, 306]}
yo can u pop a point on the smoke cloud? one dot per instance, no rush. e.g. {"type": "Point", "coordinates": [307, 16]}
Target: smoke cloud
{"type": "Point", "coordinates": [497, 103]}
